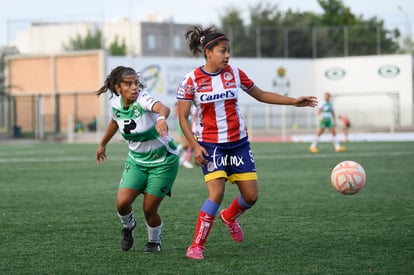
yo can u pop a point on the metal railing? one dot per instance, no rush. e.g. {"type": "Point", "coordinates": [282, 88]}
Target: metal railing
{"type": "Point", "coordinates": [316, 42]}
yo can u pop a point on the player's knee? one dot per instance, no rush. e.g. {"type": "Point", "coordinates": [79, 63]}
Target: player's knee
{"type": "Point", "coordinates": [123, 206]}
{"type": "Point", "coordinates": [251, 199]}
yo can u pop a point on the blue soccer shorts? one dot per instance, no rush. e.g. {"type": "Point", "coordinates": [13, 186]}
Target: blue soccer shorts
{"type": "Point", "coordinates": [231, 160]}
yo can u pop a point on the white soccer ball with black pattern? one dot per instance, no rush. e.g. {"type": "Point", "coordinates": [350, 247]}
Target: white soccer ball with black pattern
{"type": "Point", "coordinates": [348, 177]}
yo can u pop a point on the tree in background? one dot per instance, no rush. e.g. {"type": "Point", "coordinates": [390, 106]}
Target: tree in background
{"type": "Point", "coordinates": [264, 17]}
{"type": "Point", "coordinates": [335, 32]}
{"type": "Point", "coordinates": [299, 27]}
{"type": "Point", "coordinates": [116, 48]}
{"type": "Point", "coordinates": [92, 41]}
{"type": "Point", "coordinates": [361, 37]}
{"type": "Point", "coordinates": [261, 33]}
{"type": "Point", "coordinates": [232, 25]}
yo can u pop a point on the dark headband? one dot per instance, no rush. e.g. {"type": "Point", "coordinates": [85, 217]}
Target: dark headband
{"type": "Point", "coordinates": [212, 40]}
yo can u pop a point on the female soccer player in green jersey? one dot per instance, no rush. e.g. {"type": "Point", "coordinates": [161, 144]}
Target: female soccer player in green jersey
{"type": "Point", "coordinates": [327, 120]}
{"type": "Point", "coordinates": [152, 162]}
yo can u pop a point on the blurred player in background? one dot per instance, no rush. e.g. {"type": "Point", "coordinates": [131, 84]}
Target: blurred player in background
{"type": "Point", "coordinates": [346, 124]}
{"type": "Point", "coordinates": [222, 148]}
{"type": "Point", "coordinates": [326, 115]}
{"type": "Point", "coordinates": [281, 83]}
{"type": "Point", "coordinates": [152, 162]}
{"type": "Point", "coordinates": [186, 152]}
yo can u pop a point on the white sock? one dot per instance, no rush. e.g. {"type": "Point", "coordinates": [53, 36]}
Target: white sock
{"type": "Point", "coordinates": [128, 221]}
{"type": "Point", "coordinates": [182, 157]}
{"type": "Point", "coordinates": [336, 142]}
{"type": "Point", "coordinates": [154, 233]}
{"type": "Point", "coordinates": [315, 142]}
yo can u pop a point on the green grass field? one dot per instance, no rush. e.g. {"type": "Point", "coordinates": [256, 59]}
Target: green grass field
{"type": "Point", "coordinates": [57, 214]}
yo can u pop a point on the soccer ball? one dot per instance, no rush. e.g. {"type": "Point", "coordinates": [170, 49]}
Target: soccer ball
{"type": "Point", "coordinates": [348, 177]}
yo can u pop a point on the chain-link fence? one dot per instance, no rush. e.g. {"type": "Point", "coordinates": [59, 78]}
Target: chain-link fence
{"type": "Point", "coordinates": [38, 116]}
{"type": "Point", "coordinates": [250, 41]}
{"type": "Point", "coordinates": [315, 42]}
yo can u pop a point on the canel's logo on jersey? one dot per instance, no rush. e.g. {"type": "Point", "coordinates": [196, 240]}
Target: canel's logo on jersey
{"type": "Point", "coordinates": [219, 96]}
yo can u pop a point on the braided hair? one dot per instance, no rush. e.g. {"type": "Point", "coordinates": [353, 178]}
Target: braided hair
{"type": "Point", "coordinates": [115, 78]}
{"type": "Point", "coordinates": [200, 39]}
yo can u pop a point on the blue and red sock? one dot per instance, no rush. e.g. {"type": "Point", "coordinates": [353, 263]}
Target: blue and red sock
{"type": "Point", "coordinates": [236, 208]}
{"type": "Point", "coordinates": [205, 222]}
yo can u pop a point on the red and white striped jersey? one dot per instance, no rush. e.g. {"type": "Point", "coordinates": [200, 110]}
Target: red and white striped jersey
{"type": "Point", "coordinates": [215, 96]}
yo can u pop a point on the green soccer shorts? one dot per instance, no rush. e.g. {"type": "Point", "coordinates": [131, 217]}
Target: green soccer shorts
{"type": "Point", "coordinates": [327, 123]}
{"type": "Point", "coordinates": [155, 179]}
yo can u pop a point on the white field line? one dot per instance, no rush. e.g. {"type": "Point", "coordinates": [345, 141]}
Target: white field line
{"type": "Point", "coordinates": [343, 154]}
{"type": "Point", "coordinates": [56, 159]}
{"type": "Point", "coordinates": [257, 155]}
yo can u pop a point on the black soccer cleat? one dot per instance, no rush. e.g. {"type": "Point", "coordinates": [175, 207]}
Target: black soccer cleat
{"type": "Point", "coordinates": [127, 238]}
{"type": "Point", "coordinates": [152, 247]}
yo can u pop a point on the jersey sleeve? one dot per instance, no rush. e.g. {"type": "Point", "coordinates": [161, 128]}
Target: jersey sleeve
{"type": "Point", "coordinates": [146, 100]}
{"type": "Point", "coordinates": [186, 89]}
{"type": "Point", "coordinates": [246, 84]}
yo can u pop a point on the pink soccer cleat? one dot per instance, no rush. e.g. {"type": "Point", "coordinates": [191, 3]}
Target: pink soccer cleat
{"type": "Point", "coordinates": [234, 227]}
{"type": "Point", "coordinates": [195, 252]}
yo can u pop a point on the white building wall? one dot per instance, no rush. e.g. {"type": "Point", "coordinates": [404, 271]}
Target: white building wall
{"type": "Point", "coordinates": [371, 90]}
{"type": "Point", "coordinates": [51, 38]}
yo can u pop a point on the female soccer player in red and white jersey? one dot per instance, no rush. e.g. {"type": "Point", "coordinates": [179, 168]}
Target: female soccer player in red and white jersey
{"type": "Point", "coordinates": [221, 146]}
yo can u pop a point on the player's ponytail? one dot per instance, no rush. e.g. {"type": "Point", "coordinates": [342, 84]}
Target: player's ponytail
{"type": "Point", "coordinates": [200, 39]}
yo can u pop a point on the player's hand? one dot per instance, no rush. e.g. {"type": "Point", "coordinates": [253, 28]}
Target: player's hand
{"type": "Point", "coordinates": [101, 155]}
{"type": "Point", "coordinates": [162, 127]}
{"type": "Point", "coordinates": [306, 101]}
{"type": "Point", "coordinates": [199, 153]}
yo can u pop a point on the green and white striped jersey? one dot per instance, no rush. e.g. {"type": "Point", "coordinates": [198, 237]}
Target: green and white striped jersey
{"type": "Point", "coordinates": [326, 110]}
{"type": "Point", "coordinates": [137, 126]}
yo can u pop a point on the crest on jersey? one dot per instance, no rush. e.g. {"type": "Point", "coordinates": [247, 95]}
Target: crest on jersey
{"type": "Point", "coordinates": [136, 112]}
{"type": "Point", "coordinates": [228, 76]}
